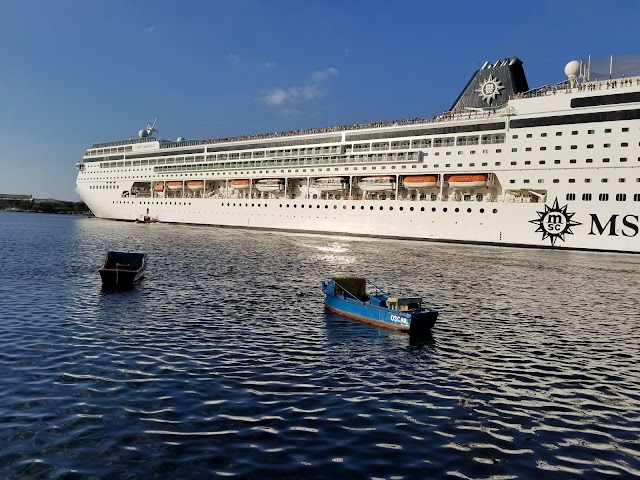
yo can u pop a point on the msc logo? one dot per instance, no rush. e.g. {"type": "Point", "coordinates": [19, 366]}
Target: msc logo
{"type": "Point", "coordinates": [554, 223]}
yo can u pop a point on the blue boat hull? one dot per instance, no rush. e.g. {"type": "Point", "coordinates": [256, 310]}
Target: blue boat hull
{"type": "Point", "coordinates": [413, 322]}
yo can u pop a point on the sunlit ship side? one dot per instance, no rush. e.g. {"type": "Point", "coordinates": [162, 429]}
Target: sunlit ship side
{"type": "Point", "coordinates": [555, 167]}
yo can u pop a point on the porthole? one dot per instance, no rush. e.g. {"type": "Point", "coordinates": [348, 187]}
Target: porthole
{"type": "Point", "coordinates": [468, 210]}
{"type": "Point", "coordinates": [433, 209]}
{"type": "Point", "coordinates": [444, 209]}
{"type": "Point", "coordinates": [422, 209]}
{"type": "Point", "coordinates": [411, 209]}
{"type": "Point", "coordinates": [381, 208]}
{"type": "Point", "coordinates": [495, 210]}
{"type": "Point", "coordinates": [326, 206]}
{"type": "Point", "coordinates": [362, 207]}
{"type": "Point", "coordinates": [401, 208]}
{"type": "Point", "coordinates": [390, 208]}
{"type": "Point", "coordinates": [457, 209]}
{"type": "Point", "coordinates": [353, 207]}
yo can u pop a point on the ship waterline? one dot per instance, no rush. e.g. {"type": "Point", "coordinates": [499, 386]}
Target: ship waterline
{"type": "Point", "coordinates": [552, 167]}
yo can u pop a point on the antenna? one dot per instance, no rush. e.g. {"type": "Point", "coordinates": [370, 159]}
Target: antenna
{"type": "Point", "coordinates": [149, 129]}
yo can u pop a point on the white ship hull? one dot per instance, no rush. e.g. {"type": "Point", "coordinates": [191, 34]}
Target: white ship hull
{"type": "Point", "coordinates": [509, 225]}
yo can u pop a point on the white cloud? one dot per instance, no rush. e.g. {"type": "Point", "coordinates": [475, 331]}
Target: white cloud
{"type": "Point", "coordinates": [322, 75]}
{"type": "Point", "coordinates": [233, 58]}
{"type": "Point", "coordinates": [298, 93]}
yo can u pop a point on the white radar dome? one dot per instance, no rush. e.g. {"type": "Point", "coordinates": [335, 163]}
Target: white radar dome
{"type": "Point", "coordinates": [180, 139]}
{"type": "Point", "coordinates": [572, 70]}
{"type": "Point", "coordinates": [142, 133]}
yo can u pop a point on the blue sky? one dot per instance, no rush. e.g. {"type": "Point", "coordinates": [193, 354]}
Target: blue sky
{"type": "Point", "coordinates": [76, 72]}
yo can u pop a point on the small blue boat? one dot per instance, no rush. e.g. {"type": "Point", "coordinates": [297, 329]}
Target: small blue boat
{"type": "Point", "coordinates": [348, 296]}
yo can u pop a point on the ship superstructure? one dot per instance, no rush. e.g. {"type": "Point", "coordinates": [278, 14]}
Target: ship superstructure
{"type": "Point", "coordinates": [557, 166]}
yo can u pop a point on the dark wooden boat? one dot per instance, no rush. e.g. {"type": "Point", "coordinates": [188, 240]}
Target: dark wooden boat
{"type": "Point", "coordinates": [123, 269]}
{"type": "Point", "coordinates": [348, 296]}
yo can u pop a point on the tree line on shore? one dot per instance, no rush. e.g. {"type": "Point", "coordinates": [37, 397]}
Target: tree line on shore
{"type": "Point", "coordinates": [45, 206]}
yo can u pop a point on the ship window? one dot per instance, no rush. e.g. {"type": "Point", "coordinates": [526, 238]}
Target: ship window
{"type": "Point", "coordinates": [571, 196]}
{"type": "Point", "coordinates": [542, 162]}
{"type": "Point", "coordinates": [572, 180]}
{"type": "Point", "coordinates": [624, 144]}
{"type": "Point", "coordinates": [556, 162]}
{"type": "Point", "coordinates": [605, 160]}
{"type": "Point", "coordinates": [472, 164]}
{"type": "Point", "coordinates": [541, 180]}
{"type": "Point", "coordinates": [574, 147]}
{"type": "Point", "coordinates": [591, 132]}
{"type": "Point", "coordinates": [498, 164]}
{"type": "Point", "coordinates": [447, 165]}
{"type": "Point", "coordinates": [512, 181]}
{"type": "Point", "coordinates": [526, 180]}
{"type": "Point", "coordinates": [459, 165]}
{"type": "Point", "coordinates": [528, 149]}
{"type": "Point", "coordinates": [484, 164]}
{"type": "Point", "coordinates": [543, 148]}
{"type": "Point", "coordinates": [543, 134]}
{"type": "Point", "coordinates": [479, 197]}
{"type": "Point", "coordinates": [589, 160]}
{"type": "Point", "coordinates": [575, 132]}
{"type": "Point", "coordinates": [558, 147]}
{"type": "Point", "coordinates": [556, 180]}
{"type": "Point", "coordinates": [607, 145]}
{"type": "Point", "coordinates": [587, 180]}
{"type": "Point", "coordinates": [636, 197]}
{"type": "Point", "coordinates": [623, 159]}
{"type": "Point", "coordinates": [607, 130]}
{"type": "Point", "coordinates": [514, 136]}
{"type": "Point", "coordinates": [604, 180]}
{"type": "Point", "coordinates": [622, 180]}
{"type": "Point", "coordinates": [625, 129]}
{"type": "Point", "coordinates": [527, 162]}
{"type": "Point", "coordinates": [558, 134]}
{"type": "Point", "coordinates": [603, 197]}
{"type": "Point", "coordinates": [514, 163]}
{"type": "Point", "coordinates": [586, 197]}
{"type": "Point", "coordinates": [529, 135]}
{"type": "Point", "coordinates": [514, 149]}
{"type": "Point", "coordinates": [436, 166]}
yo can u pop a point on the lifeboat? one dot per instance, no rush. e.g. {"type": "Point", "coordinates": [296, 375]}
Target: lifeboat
{"type": "Point", "coordinates": [195, 184]}
{"type": "Point", "coordinates": [330, 184]}
{"type": "Point", "coordinates": [158, 187]}
{"type": "Point", "coordinates": [382, 183]}
{"type": "Point", "coordinates": [420, 181]}
{"type": "Point", "coordinates": [239, 184]}
{"type": "Point", "coordinates": [466, 181]}
{"type": "Point", "coordinates": [174, 185]}
{"type": "Point", "coordinates": [270, 185]}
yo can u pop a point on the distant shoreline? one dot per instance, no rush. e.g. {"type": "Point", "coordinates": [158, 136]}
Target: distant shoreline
{"type": "Point", "coordinates": [45, 206]}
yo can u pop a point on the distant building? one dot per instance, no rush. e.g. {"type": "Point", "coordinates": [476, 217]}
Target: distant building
{"type": "Point", "coordinates": [11, 196]}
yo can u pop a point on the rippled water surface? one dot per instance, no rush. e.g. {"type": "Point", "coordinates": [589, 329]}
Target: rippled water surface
{"type": "Point", "coordinates": [223, 361]}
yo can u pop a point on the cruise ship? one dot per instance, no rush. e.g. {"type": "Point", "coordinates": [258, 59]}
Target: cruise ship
{"type": "Point", "coordinates": [551, 167]}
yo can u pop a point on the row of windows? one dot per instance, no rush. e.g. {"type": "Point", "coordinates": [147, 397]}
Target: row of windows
{"type": "Point", "coordinates": [603, 197]}
{"type": "Point", "coordinates": [576, 119]}
{"type": "Point", "coordinates": [573, 147]}
{"type": "Point", "coordinates": [573, 132]}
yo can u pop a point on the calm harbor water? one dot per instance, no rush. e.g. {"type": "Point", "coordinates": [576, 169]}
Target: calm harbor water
{"type": "Point", "coordinates": [224, 363]}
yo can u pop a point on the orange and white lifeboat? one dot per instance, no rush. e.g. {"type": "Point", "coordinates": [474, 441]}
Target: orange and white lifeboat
{"type": "Point", "coordinates": [270, 185]}
{"type": "Point", "coordinates": [239, 184]}
{"type": "Point", "coordinates": [195, 184]}
{"type": "Point", "coordinates": [417, 182]}
{"type": "Point", "coordinates": [174, 185]}
{"type": "Point", "coordinates": [382, 183]}
{"type": "Point", "coordinates": [158, 187]}
{"type": "Point", "coordinates": [466, 181]}
{"type": "Point", "coordinates": [330, 184]}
